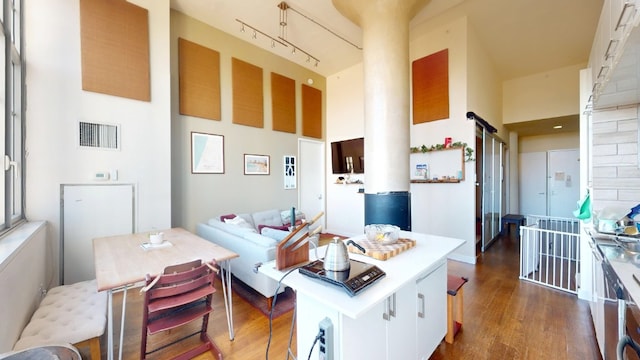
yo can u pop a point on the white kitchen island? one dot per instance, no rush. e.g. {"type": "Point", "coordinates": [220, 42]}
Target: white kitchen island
{"type": "Point", "coordinates": [402, 316]}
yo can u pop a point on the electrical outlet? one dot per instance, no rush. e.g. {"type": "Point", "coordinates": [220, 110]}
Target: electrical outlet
{"type": "Point", "coordinates": [326, 339]}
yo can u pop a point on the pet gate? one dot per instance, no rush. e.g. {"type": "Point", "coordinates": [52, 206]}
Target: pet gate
{"type": "Point", "coordinates": [550, 252]}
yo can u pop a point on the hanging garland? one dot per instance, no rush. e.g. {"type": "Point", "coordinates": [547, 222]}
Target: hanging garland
{"type": "Point", "coordinates": [468, 152]}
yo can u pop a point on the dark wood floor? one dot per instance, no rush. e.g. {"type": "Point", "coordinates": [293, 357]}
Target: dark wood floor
{"type": "Point", "coordinates": [504, 318]}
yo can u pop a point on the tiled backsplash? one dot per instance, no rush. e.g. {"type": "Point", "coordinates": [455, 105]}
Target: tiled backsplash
{"type": "Point", "coordinates": [614, 162]}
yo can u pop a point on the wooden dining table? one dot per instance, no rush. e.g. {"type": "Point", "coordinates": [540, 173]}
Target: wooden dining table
{"type": "Point", "coordinates": [123, 261]}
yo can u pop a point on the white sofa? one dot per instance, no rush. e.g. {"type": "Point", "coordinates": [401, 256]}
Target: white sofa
{"type": "Point", "coordinates": [253, 236]}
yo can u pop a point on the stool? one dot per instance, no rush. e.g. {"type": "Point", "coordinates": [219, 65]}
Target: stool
{"type": "Point", "coordinates": [454, 320]}
{"type": "Point", "coordinates": [518, 220]}
{"type": "Point", "coordinates": [69, 314]}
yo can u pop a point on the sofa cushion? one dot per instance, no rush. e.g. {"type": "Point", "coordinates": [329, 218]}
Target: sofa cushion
{"type": "Point", "coordinates": [275, 234]}
{"type": "Point", "coordinates": [260, 240]}
{"type": "Point", "coordinates": [282, 227]}
{"type": "Point", "coordinates": [267, 217]}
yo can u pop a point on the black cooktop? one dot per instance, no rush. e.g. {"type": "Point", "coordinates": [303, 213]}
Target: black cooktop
{"type": "Point", "coordinates": [359, 276]}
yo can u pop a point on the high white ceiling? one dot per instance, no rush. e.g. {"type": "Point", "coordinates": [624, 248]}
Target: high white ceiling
{"type": "Point", "coordinates": [523, 37]}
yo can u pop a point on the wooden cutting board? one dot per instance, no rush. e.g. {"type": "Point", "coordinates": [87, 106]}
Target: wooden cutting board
{"type": "Point", "coordinates": [382, 252]}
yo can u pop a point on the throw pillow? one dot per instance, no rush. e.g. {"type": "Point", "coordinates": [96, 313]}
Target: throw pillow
{"type": "Point", "coordinates": [285, 215]}
{"type": "Point", "coordinates": [240, 222]}
{"type": "Point", "coordinates": [228, 216]}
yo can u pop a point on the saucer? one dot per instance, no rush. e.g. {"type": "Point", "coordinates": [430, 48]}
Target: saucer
{"type": "Point", "coordinates": [148, 245]}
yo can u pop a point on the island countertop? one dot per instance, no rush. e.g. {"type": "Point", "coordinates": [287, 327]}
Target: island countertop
{"type": "Point", "coordinates": [429, 252]}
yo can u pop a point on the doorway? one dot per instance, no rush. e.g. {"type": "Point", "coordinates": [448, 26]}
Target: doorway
{"type": "Point", "coordinates": [311, 170]}
{"type": "Point", "coordinates": [549, 182]}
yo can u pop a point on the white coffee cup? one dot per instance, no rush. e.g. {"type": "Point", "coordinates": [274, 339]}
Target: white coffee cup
{"type": "Point", "coordinates": [156, 238]}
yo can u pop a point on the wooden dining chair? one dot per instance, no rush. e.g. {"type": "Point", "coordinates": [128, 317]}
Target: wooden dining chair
{"type": "Point", "coordinates": [178, 296]}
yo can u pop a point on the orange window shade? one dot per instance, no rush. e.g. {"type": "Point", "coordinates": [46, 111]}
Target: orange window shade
{"type": "Point", "coordinates": [199, 71]}
{"type": "Point", "coordinates": [431, 87]}
{"type": "Point", "coordinates": [248, 100]}
{"type": "Point", "coordinates": [311, 112]}
{"type": "Point", "coordinates": [283, 103]}
{"type": "Point", "coordinates": [114, 36]}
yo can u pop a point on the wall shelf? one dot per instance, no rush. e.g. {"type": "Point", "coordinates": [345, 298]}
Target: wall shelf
{"type": "Point", "coordinates": [445, 165]}
{"type": "Point", "coordinates": [441, 181]}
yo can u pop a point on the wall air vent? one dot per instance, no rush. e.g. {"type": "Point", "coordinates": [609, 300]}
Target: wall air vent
{"type": "Point", "coordinates": [99, 136]}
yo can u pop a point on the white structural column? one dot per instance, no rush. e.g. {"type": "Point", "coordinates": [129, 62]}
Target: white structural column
{"type": "Point", "coordinates": [385, 27]}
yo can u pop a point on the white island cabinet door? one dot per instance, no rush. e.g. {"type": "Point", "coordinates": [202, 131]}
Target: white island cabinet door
{"type": "Point", "coordinates": [432, 311]}
{"type": "Point", "coordinates": [387, 331]}
{"type": "Point", "coordinates": [401, 327]}
{"type": "Point", "coordinates": [366, 337]}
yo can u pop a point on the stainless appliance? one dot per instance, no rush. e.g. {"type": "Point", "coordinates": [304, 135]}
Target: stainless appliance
{"type": "Point", "coordinates": [619, 307]}
{"type": "Point", "coordinates": [355, 279]}
{"type": "Point", "coordinates": [336, 257]}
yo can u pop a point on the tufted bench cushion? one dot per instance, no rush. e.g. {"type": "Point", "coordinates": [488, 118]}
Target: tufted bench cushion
{"type": "Point", "coordinates": [69, 314]}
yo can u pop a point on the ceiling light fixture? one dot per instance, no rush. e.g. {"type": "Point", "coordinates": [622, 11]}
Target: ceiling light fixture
{"type": "Point", "coordinates": [284, 6]}
{"type": "Point", "coordinates": [282, 39]}
{"type": "Point", "coordinates": [558, 127]}
{"type": "Point", "coordinates": [256, 32]}
{"type": "Point", "coordinates": [279, 40]}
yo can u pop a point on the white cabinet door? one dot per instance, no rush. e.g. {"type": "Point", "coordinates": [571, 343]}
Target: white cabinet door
{"type": "Point", "coordinates": [366, 337]}
{"type": "Point", "coordinates": [431, 323]}
{"type": "Point", "coordinates": [401, 334]}
{"type": "Point", "coordinates": [389, 329]}
{"type": "Point", "coordinates": [599, 291]}
{"type": "Point", "coordinates": [90, 211]}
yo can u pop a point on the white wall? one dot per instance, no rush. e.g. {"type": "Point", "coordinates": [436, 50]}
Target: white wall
{"type": "Point", "coordinates": [345, 120]}
{"type": "Point", "coordinates": [545, 95]}
{"type": "Point", "coordinates": [448, 209]}
{"type": "Point", "coordinates": [56, 102]}
{"type": "Point", "coordinates": [199, 197]}
{"type": "Point", "coordinates": [442, 209]}
{"type": "Point", "coordinates": [569, 140]}
{"type": "Point", "coordinates": [19, 299]}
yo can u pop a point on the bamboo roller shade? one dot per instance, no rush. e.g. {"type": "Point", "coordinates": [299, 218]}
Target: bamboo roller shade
{"type": "Point", "coordinates": [311, 112]}
{"type": "Point", "coordinates": [283, 103]}
{"type": "Point", "coordinates": [199, 71]}
{"type": "Point", "coordinates": [115, 48]}
{"type": "Point", "coordinates": [248, 106]}
{"type": "Point", "coordinates": [431, 87]}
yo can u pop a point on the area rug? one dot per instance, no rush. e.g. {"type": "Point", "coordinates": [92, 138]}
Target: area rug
{"type": "Point", "coordinates": [285, 302]}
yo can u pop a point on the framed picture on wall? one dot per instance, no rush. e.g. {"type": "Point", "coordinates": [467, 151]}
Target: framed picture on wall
{"type": "Point", "coordinates": [256, 164]}
{"type": "Point", "coordinates": [207, 153]}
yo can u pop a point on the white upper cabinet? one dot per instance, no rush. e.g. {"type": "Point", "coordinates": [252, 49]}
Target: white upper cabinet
{"type": "Point", "coordinates": [614, 60]}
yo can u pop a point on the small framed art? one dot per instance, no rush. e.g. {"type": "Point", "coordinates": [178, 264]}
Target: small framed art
{"type": "Point", "coordinates": [207, 153]}
{"type": "Point", "coordinates": [256, 164]}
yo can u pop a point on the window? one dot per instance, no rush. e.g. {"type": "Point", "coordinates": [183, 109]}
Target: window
{"type": "Point", "coordinates": [12, 101]}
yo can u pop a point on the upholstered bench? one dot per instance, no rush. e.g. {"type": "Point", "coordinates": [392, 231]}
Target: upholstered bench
{"type": "Point", "coordinates": [73, 314]}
